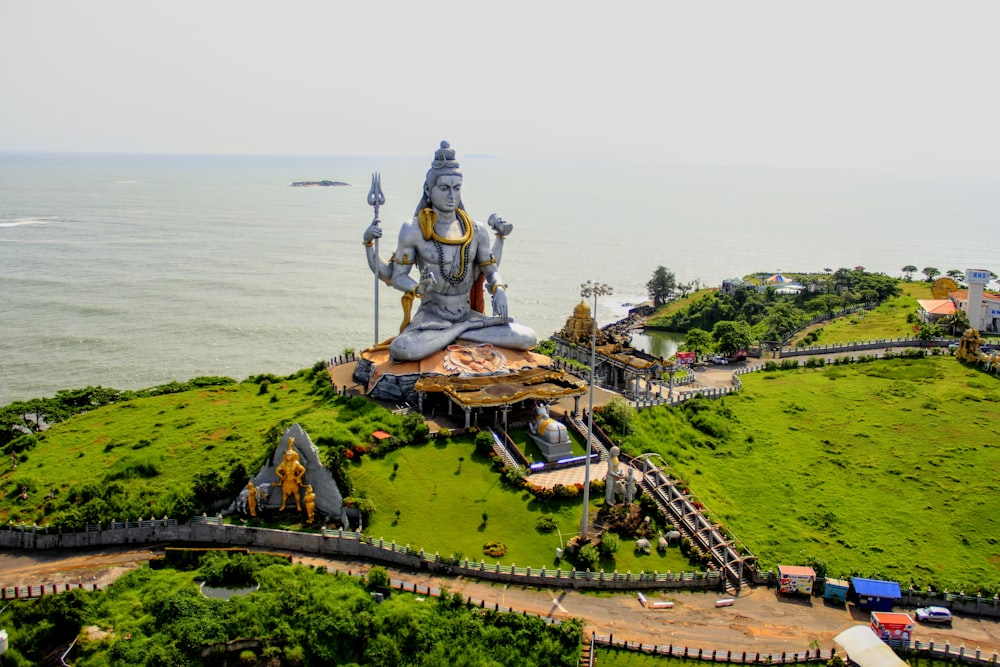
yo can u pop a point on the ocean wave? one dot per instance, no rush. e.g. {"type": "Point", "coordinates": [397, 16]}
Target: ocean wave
{"type": "Point", "coordinates": [17, 222]}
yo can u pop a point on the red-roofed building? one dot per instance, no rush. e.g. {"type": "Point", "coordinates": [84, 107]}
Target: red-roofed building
{"type": "Point", "coordinates": [931, 310]}
{"type": "Point", "coordinates": [990, 313]}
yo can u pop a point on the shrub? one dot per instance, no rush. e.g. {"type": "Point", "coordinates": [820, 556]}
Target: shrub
{"type": "Point", "coordinates": [610, 542]}
{"type": "Point", "coordinates": [514, 476]}
{"type": "Point", "coordinates": [545, 523]}
{"type": "Point", "coordinates": [564, 491]}
{"type": "Point", "coordinates": [484, 443]}
{"type": "Point", "coordinates": [495, 549]}
{"type": "Point", "coordinates": [378, 577]}
{"type": "Point", "coordinates": [588, 557]}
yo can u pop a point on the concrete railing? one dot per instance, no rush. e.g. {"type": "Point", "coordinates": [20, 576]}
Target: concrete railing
{"type": "Point", "coordinates": [860, 346]}
{"type": "Point", "coordinates": [342, 544]}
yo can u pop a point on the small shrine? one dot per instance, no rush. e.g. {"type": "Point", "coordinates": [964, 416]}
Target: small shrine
{"type": "Point", "coordinates": [294, 482]}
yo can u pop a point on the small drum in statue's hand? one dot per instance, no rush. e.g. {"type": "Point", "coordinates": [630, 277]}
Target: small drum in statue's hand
{"type": "Point", "coordinates": [500, 226]}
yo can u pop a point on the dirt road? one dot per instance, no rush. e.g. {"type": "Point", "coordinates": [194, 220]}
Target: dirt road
{"type": "Point", "coordinates": [758, 621]}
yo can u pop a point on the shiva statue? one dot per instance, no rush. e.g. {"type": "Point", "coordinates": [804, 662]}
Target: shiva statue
{"type": "Point", "coordinates": [290, 473]}
{"type": "Point", "coordinates": [453, 256]}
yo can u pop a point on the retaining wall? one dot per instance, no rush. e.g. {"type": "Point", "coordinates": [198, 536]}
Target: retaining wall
{"type": "Point", "coordinates": [343, 544]}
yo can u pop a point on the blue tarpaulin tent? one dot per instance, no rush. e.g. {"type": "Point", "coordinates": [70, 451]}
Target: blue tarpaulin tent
{"type": "Point", "coordinates": [875, 595]}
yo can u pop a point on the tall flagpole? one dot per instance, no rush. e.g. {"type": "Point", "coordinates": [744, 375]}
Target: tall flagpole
{"type": "Point", "coordinates": [376, 198]}
{"type": "Point", "coordinates": [587, 290]}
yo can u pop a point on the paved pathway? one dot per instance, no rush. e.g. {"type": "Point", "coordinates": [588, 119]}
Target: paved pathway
{"type": "Point", "coordinates": [758, 621]}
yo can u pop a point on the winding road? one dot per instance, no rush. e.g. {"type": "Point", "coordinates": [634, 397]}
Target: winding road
{"type": "Point", "coordinates": [759, 621]}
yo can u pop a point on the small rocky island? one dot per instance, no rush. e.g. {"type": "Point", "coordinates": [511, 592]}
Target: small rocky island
{"type": "Point", "coordinates": [325, 184]}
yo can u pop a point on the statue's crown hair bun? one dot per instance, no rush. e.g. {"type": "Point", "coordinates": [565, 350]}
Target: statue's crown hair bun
{"type": "Point", "coordinates": [444, 157]}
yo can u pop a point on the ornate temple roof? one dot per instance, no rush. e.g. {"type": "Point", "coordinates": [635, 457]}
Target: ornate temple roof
{"type": "Point", "coordinates": [543, 384]}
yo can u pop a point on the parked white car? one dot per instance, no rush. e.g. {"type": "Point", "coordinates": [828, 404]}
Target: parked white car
{"type": "Point", "coordinates": [934, 615]}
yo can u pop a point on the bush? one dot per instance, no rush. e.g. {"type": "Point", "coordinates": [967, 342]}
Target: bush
{"type": "Point", "coordinates": [484, 443]}
{"type": "Point", "coordinates": [378, 577]}
{"type": "Point", "coordinates": [514, 476]}
{"type": "Point", "coordinates": [588, 557]}
{"type": "Point", "coordinates": [545, 523]}
{"type": "Point", "coordinates": [495, 549]}
{"type": "Point", "coordinates": [610, 542]}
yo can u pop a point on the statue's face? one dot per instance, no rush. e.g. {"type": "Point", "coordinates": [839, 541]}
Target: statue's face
{"type": "Point", "coordinates": [446, 193]}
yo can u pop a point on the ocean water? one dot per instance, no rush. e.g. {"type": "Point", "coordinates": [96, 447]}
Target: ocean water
{"type": "Point", "coordinates": [129, 271]}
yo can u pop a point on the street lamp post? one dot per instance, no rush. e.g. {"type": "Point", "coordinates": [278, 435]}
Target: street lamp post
{"type": "Point", "coordinates": [587, 290]}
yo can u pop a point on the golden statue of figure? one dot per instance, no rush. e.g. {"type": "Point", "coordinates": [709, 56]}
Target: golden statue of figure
{"type": "Point", "coordinates": [251, 499]}
{"type": "Point", "coordinates": [310, 502]}
{"type": "Point", "coordinates": [290, 473]}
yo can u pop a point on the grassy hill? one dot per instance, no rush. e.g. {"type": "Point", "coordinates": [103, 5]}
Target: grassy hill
{"type": "Point", "coordinates": [677, 305]}
{"type": "Point", "coordinates": [887, 320]}
{"type": "Point", "coordinates": [884, 468]}
{"type": "Point", "coordinates": [172, 455]}
{"type": "Point", "coordinates": [879, 468]}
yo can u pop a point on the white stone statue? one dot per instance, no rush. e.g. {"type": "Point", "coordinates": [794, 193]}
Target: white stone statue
{"type": "Point", "coordinates": [614, 474]}
{"type": "Point", "coordinates": [451, 252]}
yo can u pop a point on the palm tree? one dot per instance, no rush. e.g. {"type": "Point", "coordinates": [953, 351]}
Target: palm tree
{"type": "Point", "coordinates": [956, 322]}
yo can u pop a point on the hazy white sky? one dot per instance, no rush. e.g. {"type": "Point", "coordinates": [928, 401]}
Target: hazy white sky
{"type": "Point", "coordinates": [800, 83]}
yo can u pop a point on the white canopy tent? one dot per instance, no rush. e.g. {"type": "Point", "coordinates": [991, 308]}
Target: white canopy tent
{"type": "Point", "coordinates": [865, 648]}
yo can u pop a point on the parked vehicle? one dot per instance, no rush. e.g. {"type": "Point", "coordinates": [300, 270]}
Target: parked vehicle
{"type": "Point", "coordinates": [934, 615]}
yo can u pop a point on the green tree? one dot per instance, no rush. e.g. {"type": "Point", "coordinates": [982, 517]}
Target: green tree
{"type": "Point", "coordinates": [824, 303]}
{"type": "Point", "coordinates": [955, 323]}
{"type": "Point", "coordinates": [661, 286]}
{"type": "Point", "coordinates": [698, 340]}
{"type": "Point", "coordinates": [927, 331]}
{"type": "Point", "coordinates": [377, 577]}
{"type": "Point", "coordinates": [781, 320]}
{"type": "Point", "coordinates": [931, 273]}
{"type": "Point", "coordinates": [908, 272]}
{"type": "Point", "coordinates": [617, 415]}
{"type": "Point", "coordinates": [731, 336]}
{"type": "Point", "coordinates": [841, 279]}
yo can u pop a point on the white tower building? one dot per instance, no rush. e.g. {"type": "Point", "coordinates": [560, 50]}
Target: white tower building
{"type": "Point", "coordinates": [976, 279]}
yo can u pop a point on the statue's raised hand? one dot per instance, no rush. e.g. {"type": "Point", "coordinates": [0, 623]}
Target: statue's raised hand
{"type": "Point", "coordinates": [373, 231]}
{"type": "Point", "coordinates": [499, 225]}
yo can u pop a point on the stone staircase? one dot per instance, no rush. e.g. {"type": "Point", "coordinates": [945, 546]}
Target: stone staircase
{"type": "Point", "coordinates": [587, 657]}
{"type": "Point", "coordinates": [704, 536]}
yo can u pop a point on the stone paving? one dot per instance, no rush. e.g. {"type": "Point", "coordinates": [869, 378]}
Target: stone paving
{"type": "Point", "coordinates": [575, 475]}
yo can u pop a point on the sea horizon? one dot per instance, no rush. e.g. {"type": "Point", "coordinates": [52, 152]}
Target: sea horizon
{"type": "Point", "coordinates": [129, 270]}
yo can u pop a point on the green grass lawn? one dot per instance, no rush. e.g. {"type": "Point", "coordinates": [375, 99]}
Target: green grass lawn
{"type": "Point", "coordinates": [888, 320]}
{"type": "Point", "coordinates": [886, 468]}
{"type": "Point", "coordinates": [148, 449]}
{"type": "Point", "coordinates": [442, 499]}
